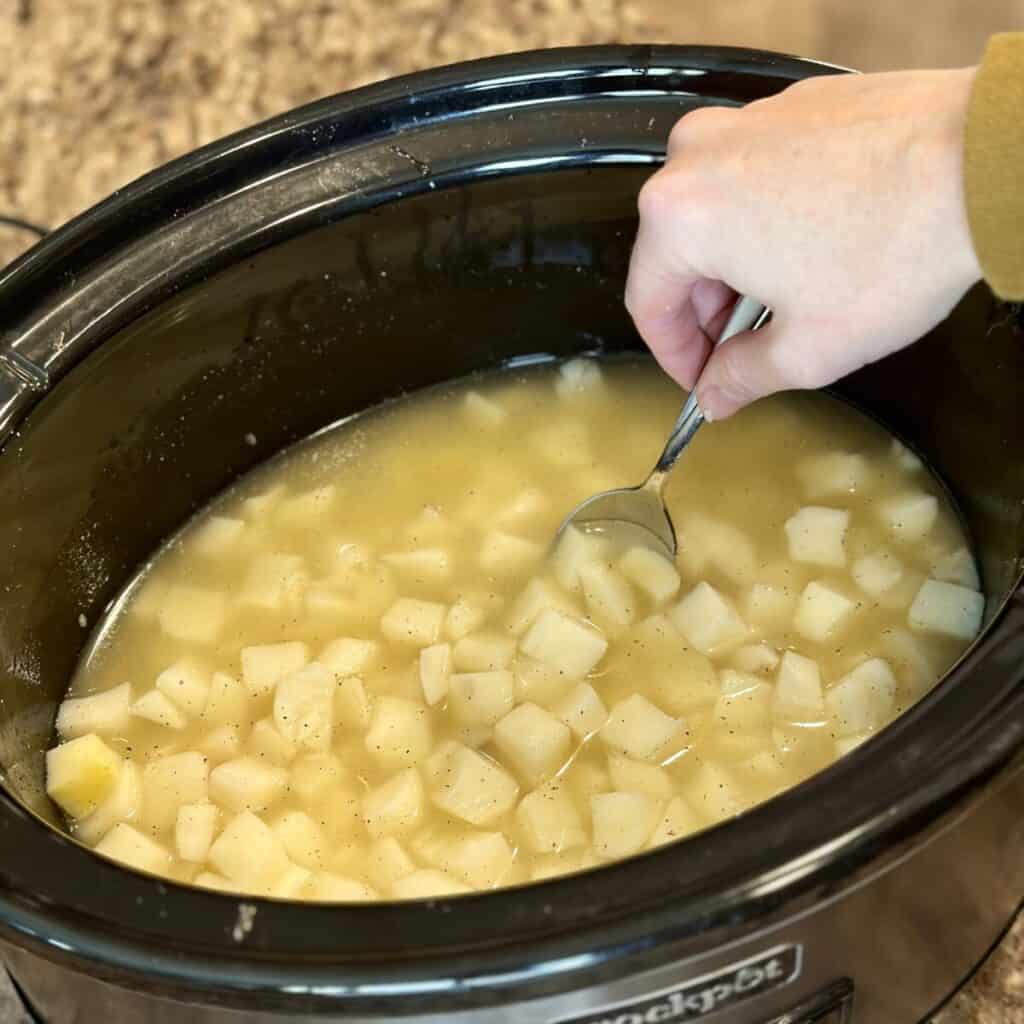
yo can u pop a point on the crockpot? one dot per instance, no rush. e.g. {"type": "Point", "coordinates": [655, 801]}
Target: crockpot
{"type": "Point", "coordinates": [246, 295]}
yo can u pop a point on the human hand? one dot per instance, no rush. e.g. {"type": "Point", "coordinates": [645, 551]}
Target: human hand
{"type": "Point", "coordinates": [838, 203]}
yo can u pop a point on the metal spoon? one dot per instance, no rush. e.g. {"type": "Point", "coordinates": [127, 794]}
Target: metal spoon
{"type": "Point", "coordinates": [643, 507]}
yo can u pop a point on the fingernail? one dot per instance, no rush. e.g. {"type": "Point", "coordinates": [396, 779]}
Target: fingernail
{"type": "Point", "coordinates": [710, 399]}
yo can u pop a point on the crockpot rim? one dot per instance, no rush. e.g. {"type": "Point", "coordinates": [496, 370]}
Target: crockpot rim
{"type": "Point", "coordinates": [945, 788]}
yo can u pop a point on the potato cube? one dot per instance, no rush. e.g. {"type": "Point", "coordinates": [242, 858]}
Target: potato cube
{"type": "Point", "coordinates": [388, 862]}
{"type": "Point", "coordinates": [396, 806]}
{"type": "Point", "coordinates": [328, 605]}
{"type": "Point", "coordinates": [577, 377]}
{"type": "Point", "coordinates": [677, 820]}
{"type": "Point", "coordinates": [622, 822]}
{"type": "Point", "coordinates": [303, 839]}
{"type": "Point", "coordinates": [221, 744]}
{"type": "Point", "coordinates": [169, 782]}
{"type": "Point", "coordinates": [129, 846]}
{"type": "Point", "coordinates": [535, 597]}
{"type": "Point", "coordinates": [327, 887]}
{"type": "Point", "coordinates": [259, 505]}
{"type": "Point", "coordinates": [265, 665]}
{"type": "Point", "coordinates": [106, 713]}
{"type": "Point", "coordinates": [525, 510]}
{"type": "Point", "coordinates": [834, 475]}
{"type": "Point", "coordinates": [863, 700]}
{"type": "Point", "coordinates": [770, 605]}
{"type": "Point", "coordinates": [703, 541]}
{"type": "Point", "coordinates": [482, 411]}
{"type": "Point", "coordinates": [155, 707]}
{"type": "Point", "coordinates": [216, 536]}
{"type": "Point", "coordinates": [568, 645]}
{"type": "Point", "coordinates": [798, 696]}
{"type": "Point", "coordinates": [409, 621]}
{"type": "Point", "coordinates": [538, 683]}
{"type": "Point", "coordinates": [185, 684]}
{"type": "Point", "coordinates": [468, 785]}
{"type": "Point", "coordinates": [315, 777]}
{"type": "Point", "coordinates": [504, 554]}
{"type": "Point", "coordinates": [481, 859]}
{"type": "Point", "coordinates": [227, 702]}
{"type": "Point", "coordinates": [462, 618]}
{"type": "Point", "coordinates": [574, 550]}
{"type": "Point", "coordinates": [292, 884]}
{"type": "Point", "coordinates": [957, 567]}
{"type": "Point", "coordinates": [352, 707]}
{"type": "Point", "coordinates": [265, 743]}
{"type": "Point", "coordinates": [481, 698]}
{"type": "Point", "coordinates": [422, 565]}
{"type": "Point", "coordinates": [246, 784]}
{"type": "Point", "coordinates": [192, 615]}
{"type": "Point", "coordinates": [707, 620]}
{"type": "Point", "coordinates": [608, 596]}
{"type": "Point", "coordinates": [211, 880]}
{"type": "Point", "coordinates": [816, 535]}
{"type": "Point", "coordinates": [629, 776]}
{"type": "Point", "coordinates": [194, 829]}
{"type": "Point", "coordinates": [81, 774]}
{"type": "Point", "coordinates": [909, 517]}
{"type": "Point", "coordinates": [755, 658]}
{"type": "Point", "coordinates": [582, 710]}
{"type": "Point", "coordinates": [427, 883]}
{"type": "Point", "coordinates": [713, 792]}
{"type": "Point", "coordinates": [348, 656]}
{"type": "Point", "coordinates": [304, 707]}
{"type": "Point", "coordinates": [399, 733]}
{"type": "Point", "coordinates": [534, 740]}
{"type": "Point", "coordinates": [247, 852]}
{"type": "Point", "coordinates": [274, 582]}
{"type": "Point", "coordinates": [586, 777]}
{"type": "Point", "coordinates": [121, 805]}
{"type": "Point", "coordinates": [435, 671]}
{"type": "Point", "coordinates": [639, 729]}
{"type": "Point", "coordinates": [822, 613]}
{"type": "Point", "coordinates": [307, 510]}
{"type": "Point", "coordinates": [549, 821]}
{"type": "Point", "coordinates": [651, 572]}
{"type": "Point", "coordinates": [910, 660]}
{"type": "Point", "coordinates": [483, 652]}
{"type": "Point", "coordinates": [744, 705]}
{"type": "Point", "coordinates": [947, 608]}
{"type": "Point", "coordinates": [877, 573]}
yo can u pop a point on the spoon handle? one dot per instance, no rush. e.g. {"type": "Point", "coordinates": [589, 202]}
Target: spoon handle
{"type": "Point", "coordinates": [745, 315]}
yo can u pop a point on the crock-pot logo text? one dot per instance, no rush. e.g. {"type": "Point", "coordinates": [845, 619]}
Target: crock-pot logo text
{"type": "Point", "coordinates": [702, 996]}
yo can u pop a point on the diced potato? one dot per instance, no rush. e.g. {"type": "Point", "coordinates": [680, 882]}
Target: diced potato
{"type": "Point", "coordinates": [388, 862]}
{"type": "Point", "coordinates": [555, 865]}
{"type": "Point", "coordinates": [304, 707]}
{"type": "Point", "coordinates": [538, 683]}
{"type": "Point", "coordinates": [352, 706]}
{"type": "Point", "coordinates": [909, 659]}
{"type": "Point", "coordinates": [427, 883]}
{"type": "Point", "coordinates": [399, 733]}
{"type": "Point", "coordinates": [834, 474]}
{"type": "Point", "coordinates": [105, 713]}
{"type": "Point", "coordinates": [410, 621]}
{"type": "Point", "coordinates": [481, 859]}
{"type": "Point", "coordinates": [744, 704]}
{"type": "Point", "coordinates": [186, 685]}
{"type": "Point", "coordinates": [328, 887]}
{"type": "Point", "coordinates": [315, 777]}
{"type": "Point", "coordinates": [770, 605]}
{"type": "Point", "coordinates": [169, 782]}
{"type": "Point", "coordinates": [704, 541]}
{"type": "Point", "coordinates": [348, 656]}
{"type": "Point", "coordinates": [862, 700]}
{"type": "Point", "coordinates": [526, 509]}
{"type": "Point", "coordinates": [622, 822]}
{"type": "Point", "coordinates": [302, 838]}
{"type": "Point", "coordinates": [155, 707]}
{"type": "Point", "coordinates": [435, 671]}
{"type": "Point", "coordinates": [909, 517]}
{"type": "Point", "coordinates": [193, 615]}
{"type": "Point", "coordinates": [947, 608]}
{"type": "Point", "coordinates": [227, 702]}
{"type": "Point", "coordinates": [713, 792]}
{"type": "Point", "coordinates": [307, 510]}
{"type": "Point", "coordinates": [265, 743]}
{"type": "Point", "coordinates": [798, 696]}
{"type": "Point", "coordinates": [536, 596]}
{"type": "Point", "coordinates": [246, 784]}
{"type": "Point", "coordinates": [211, 880]}
{"type": "Point", "coordinates": [462, 618]}
{"type": "Point", "coordinates": [292, 884]}
{"type": "Point", "coordinates": [221, 744]}
{"type": "Point", "coordinates": [260, 505]}
{"type": "Point", "coordinates": [677, 820]}
{"type": "Point", "coordinates": [577, 377]}
{"type": "Point", "coordinates": [534, 740]}
{"type": "Point", "coordinates": [247, 852]}
{"type": "Point", "coordinates": [504, 554]}
{"type": "Point", "coordinates": [265, 665]}
{"type": "Point", "coordinates": [548, 820]}
{"type": "Point", "coordinates": [121, 805]}
{"type": "Point", "coordinates": [481, 698]}
{"type": "Point", "coordinates": [608, 596]}
{"type": "Point", "coordinates": [904, 457]}
{"type": "Point", "coordinates": [129, 846]}
{"type": "Point", "coordinates": [328, 605]}
{"type": "Point", "coordinates": [651, 572]}
{"type": "Point", "coordinates": [216, 536]}
{"type": "Point", "coordinates": [422, 565]}
{"type": "Point", "coordinates": [468, 785]}
{"type": "Point", "coordinates": [396, 806]}
{"type": "Point", "coordinates": [568, 645]}
{"type": "Point", "coordinates": [707, 620]}
{"type": "Point", "coordinates": [194, 829]}
{"type": "Point", "coordinates": [755, 658]}
{"type": "Point", "coordinates": [822, 613]}
{"type": "Point", "coordinates": [629, 776]}
{"type": "Point", "coordinates": [877, 573]}
{"type": "Point", "coordinates": [639, 729]}
{"type": "Point", "coordinates": [582, 710]}
{"type": "Point", "coordinates": [482, 411]}
{"type": "Point", "coordinates": [81, 774]}
{"type": "Point", "coordinates": [483, 652]}
{"type": "Point", "coordinates": [957, 567]}
{"type": "Point", "coordinates": [816, 535]}
{"type": "Point", "coordinates": [574, 550]}
{"type": "Point", "coordinates": [765, 774]}
{"type": "Point", "coordinates": [274, 582]}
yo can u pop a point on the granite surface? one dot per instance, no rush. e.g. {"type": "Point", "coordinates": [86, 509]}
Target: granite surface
{"type": "Point", "coordinates": [94, 93]}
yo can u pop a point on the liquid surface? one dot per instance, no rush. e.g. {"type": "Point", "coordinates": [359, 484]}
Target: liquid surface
{"type": "Point", "coordinates": [359, 676]}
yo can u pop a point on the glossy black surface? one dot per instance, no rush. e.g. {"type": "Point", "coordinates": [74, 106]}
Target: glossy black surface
{"type": "Point", "coordinates": [285, 278]}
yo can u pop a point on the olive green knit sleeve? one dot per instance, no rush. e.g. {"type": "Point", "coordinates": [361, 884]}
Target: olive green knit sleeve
{"type": "Point", "coordinates": [994, 165]}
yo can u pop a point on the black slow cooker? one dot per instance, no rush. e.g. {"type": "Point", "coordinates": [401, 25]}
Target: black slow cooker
{"type": "Point", "coordinates": [248, 294]}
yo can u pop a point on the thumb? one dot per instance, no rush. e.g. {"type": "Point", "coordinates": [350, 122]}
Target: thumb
{"type": "Point", "coordinates": [778, 357]}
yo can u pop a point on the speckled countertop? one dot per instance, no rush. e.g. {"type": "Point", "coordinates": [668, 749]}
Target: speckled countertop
{"type": "Point", "coordinates": [94, 93]}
